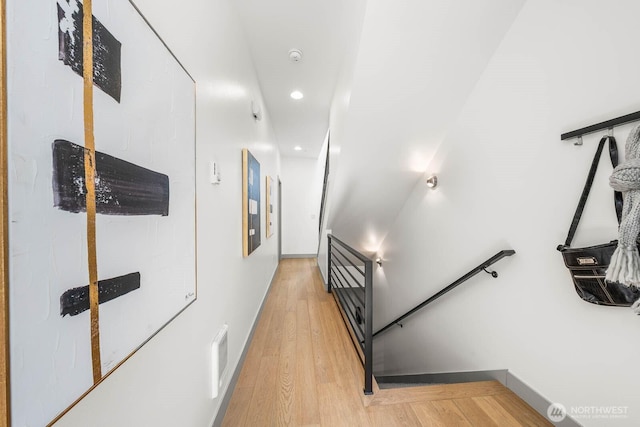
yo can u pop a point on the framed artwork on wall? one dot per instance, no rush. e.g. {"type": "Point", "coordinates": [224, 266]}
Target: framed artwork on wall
{"type": "Point", "coordinates": [269, 202]}
{"type": "Point", "coordinates": [4, 259]}
{"type": "Point", "coordinates": [101, 213]}
{"type": "Point", "coordinates": [250, 203]}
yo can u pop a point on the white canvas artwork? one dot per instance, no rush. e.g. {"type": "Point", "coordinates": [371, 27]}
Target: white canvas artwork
{"type": "Point", "coordinates": [144, 197]}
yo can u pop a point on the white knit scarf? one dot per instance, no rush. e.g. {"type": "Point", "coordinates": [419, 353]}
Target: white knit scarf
{"type": "Point", "coordinates": [624, 267]}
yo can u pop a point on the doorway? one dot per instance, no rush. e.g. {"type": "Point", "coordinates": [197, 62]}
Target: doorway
{"type": "Point", "coordinates": [279, 219]}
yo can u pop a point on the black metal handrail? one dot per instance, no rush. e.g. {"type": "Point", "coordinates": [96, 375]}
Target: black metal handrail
{"type": "Point", "coordinates": [325, 189]}
{"type": "Point", "coordinates": [352, 288]}
{"type": "Point", "coordinates": [482, 267]}
{"type": "Point", "coordinates": [324, 186]}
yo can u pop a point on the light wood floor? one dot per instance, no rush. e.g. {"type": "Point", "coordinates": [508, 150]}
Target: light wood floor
{"type": "Point", "coordinates": [301, 369]}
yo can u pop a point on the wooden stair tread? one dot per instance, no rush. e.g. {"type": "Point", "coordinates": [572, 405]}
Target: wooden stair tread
{"type": "Point", "coordinates": [433, 392]}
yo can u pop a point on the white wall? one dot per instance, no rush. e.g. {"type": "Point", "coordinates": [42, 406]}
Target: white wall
{"type": "Point", "coordinates": [337, 118]}
{"type": "Point", "coordinates": [166, 383]}
{"type": "Point", "coordinates": [507, 181]}
{"type": "Point", "coordinates": [416, 64]}
{"type": "Point", "coordinates": [302, 180]}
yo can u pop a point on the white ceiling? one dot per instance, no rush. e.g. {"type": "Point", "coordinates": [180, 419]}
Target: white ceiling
{"type": "Point", "coordinates": [319, 29]}
{"type": "Point", "coordinates": [417, 62]}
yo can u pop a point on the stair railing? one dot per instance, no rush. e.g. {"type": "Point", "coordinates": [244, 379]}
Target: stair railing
{"type": "Point", "coordinates": [351, 283]}
{"type": "Point", "coordinates": [325, 189]}
{"type": "Point", "coordinates": [482, 267]}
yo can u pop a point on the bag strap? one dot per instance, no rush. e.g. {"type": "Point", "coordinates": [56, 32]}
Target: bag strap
{"type": "Point", "coordinates": [617, 196]}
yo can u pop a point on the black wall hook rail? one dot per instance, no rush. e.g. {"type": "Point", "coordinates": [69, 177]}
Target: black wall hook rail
{"type": "Point", "coordinates": [602, 125]}
{"type": "Point", "coordinates": [482, 267]}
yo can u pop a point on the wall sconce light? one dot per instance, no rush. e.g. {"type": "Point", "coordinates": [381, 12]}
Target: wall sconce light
{"type": "Point", "coordinates": [256, 111]}
{"type": "Point", "coordinates": [379, 261]}
{"type": "Point", "coordinates": [432, 181]}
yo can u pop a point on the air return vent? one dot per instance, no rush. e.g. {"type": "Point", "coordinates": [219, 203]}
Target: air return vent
{"type": "Point", "coordinates": [219, 358]}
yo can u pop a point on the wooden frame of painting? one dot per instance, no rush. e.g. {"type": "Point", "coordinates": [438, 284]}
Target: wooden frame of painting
{"type": "Point", "coordinates": [269, 203]}
{"type": "Point", "coordinates": [4, 270]}
{"type": "Point", "coordinates": [98, 140]}
{"type": "Point", "coordinates": [250, 203]}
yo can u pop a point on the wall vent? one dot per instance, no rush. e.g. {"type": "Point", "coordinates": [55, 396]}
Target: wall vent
{"type": "Point", "coordinates": [219, 358]}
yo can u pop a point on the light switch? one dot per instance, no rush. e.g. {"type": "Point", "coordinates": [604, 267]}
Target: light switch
{"type": "Point", "coordinates": [214, 172]}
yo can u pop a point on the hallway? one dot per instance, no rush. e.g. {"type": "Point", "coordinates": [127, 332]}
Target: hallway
{"type": "Point", "coordinates": [301, 369]}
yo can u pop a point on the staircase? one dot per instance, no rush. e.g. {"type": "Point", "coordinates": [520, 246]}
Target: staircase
{"type": "Point", "coordinates": [351, 283]}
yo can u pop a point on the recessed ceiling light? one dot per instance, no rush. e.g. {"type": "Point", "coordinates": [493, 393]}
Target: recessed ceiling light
{"type": "Point", "coordinates": [297, 148]}
{"type": "Point", "coordinates": [296, 94]}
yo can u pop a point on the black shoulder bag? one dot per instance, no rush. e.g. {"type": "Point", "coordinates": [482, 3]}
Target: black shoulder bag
{"type": "Point", "coordinates": [588, 266]}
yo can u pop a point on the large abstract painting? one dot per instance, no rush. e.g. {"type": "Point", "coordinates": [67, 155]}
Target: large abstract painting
{"type": "Point", "coordinates": [101, 213]}
{"type": "Point", "coordinates": [250, 203]}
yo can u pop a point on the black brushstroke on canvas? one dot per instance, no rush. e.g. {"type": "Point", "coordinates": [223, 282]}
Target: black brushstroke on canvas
{"type": "Point", "coordinates": [106, 49]}
{"type": "Point", "coordinates": [76, 300]}
{"type": "Point", "coordinates": [122, 188]}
